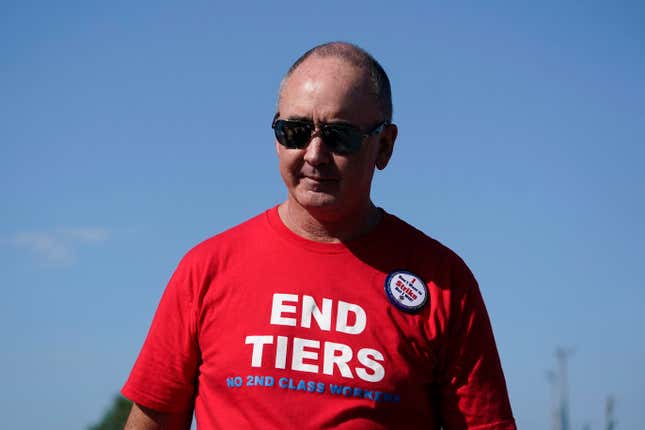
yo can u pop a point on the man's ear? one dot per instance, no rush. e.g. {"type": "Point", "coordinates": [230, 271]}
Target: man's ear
{"type": "Point", "coordinates": [386, 145]}
{"type": "Point", "coordinates": [277, 148]}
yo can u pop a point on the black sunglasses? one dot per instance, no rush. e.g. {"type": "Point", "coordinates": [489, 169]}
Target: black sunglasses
{"type": "Point", "coordinates": [339, 138]}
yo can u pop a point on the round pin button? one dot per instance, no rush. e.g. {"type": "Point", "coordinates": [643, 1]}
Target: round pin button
{"type": "Point", "coordinates": [406, 291]}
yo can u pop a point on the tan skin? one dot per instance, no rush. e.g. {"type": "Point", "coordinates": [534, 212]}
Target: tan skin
{"type": "Point", "coordinates": [328, 194]}
{"type": "Point", "coordinates": [142, 418]}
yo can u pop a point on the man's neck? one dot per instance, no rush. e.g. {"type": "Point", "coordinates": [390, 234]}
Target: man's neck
{"type": "Point", "coordinates": [314, 225]}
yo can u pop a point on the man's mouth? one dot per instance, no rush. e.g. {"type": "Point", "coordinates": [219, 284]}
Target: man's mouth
{"type": "Point", "coordinates": [316, 178]}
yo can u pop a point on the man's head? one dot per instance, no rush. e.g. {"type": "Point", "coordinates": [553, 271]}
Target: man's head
{"type": "Point", "coordinates": [352, 54]}
{"type": "Point", "coordinates": [341, 86]}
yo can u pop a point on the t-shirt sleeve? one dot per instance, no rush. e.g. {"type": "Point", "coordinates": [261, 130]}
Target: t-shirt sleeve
{"type": "Point", "coordinates": [472, 389]}
{"type": "Point", "coordinates": [164, 375]}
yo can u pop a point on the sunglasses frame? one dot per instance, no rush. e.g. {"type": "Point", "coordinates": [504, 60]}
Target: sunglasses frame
{"type": "Point", "coordinates": [343, 148]}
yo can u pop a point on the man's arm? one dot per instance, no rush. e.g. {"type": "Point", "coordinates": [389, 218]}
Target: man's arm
{"type": "Point", "coordinates": [162, 383]}
{"type": "Point", "coordinates": [142, 418]}
{"type": "Point", "coordinates": [473, 388]}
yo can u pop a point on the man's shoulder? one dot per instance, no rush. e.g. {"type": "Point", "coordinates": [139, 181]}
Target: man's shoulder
{"type": "Point", "coordinates": [423, 246]}
{"type": "Point", "coordinates": [240, 235]}
{"type": "Point", "coordinates": [406, 232]}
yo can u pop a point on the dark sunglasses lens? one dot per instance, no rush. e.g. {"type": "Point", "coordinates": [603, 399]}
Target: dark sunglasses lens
{"type": "Point", "coordinates": [342, 140]}
{"type": "Point", "coordinates": [292, 134]}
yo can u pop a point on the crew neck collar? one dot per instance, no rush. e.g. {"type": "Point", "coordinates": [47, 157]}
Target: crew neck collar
{"type": "Point", "coordinates": [276, 223]}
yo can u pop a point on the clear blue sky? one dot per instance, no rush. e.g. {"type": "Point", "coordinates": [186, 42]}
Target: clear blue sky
{"type": "Point", "coordinates": [129, 131]}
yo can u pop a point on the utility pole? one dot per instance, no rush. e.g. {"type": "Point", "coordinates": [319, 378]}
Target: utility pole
{"type": "Point", "coordinates": [560, 391]}
{"type": "Point", "coordinates": [553, 406]}
{"type": "Point", "coordinates": [610, 420]}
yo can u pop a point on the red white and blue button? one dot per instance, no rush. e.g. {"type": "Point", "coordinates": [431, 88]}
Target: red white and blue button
{"type": "Point", "coordinates": [406, 291]}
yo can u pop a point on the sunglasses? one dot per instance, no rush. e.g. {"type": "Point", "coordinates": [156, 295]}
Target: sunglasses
{"type": "Point", "coordinates": [340, 138]}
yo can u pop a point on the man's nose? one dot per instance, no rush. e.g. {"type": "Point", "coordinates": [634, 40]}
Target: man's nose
{"type": "Point", "coordinates": [317, 152]}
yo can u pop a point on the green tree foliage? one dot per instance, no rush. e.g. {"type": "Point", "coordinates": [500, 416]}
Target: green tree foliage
{"type": "Point", "coordinates": [115, 417]}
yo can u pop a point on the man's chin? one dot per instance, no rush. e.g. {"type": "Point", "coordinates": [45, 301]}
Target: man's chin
{"type": "Point", "coordinates": [318, 201]}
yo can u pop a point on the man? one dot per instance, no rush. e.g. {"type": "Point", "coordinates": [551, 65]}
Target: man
{"type": "Point", "coordinates": [325, 311]}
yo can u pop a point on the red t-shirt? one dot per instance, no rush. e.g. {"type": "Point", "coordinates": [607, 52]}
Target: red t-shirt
{"type": "Point", "coordinates": [261, 328]}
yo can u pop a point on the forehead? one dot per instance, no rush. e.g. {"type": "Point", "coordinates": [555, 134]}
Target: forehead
{"type": "Point", "coordinates": [329, 88]}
